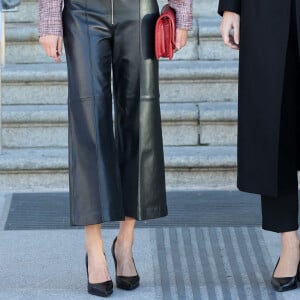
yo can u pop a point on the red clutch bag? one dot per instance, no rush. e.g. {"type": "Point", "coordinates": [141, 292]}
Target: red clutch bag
{"type": "Point", "coordinates": [165, 33]}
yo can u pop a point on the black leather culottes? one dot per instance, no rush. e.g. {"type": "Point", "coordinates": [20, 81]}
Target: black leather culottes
{"type": "Point", "coordinates": [121, 174]}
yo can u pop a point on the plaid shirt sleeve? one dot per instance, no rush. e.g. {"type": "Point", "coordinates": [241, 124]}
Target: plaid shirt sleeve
{"type": "Point", "coordinates": [50, 20]}
{"type": "Point", "coordinates": [184, 13]}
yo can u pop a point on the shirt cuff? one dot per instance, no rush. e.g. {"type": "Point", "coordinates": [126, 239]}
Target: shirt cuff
{"type": "Point", "coordinates": [51, 27]}
{"type": "Point", "coordinates": [184, 13]}
{"type": "Point", "coordinates": [229, 5]}
{"type": "Point", "coordinates": [50, 18]}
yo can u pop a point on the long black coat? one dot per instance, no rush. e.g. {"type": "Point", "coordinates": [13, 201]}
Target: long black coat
{"type": "Point", "coordinates": [263, 44]}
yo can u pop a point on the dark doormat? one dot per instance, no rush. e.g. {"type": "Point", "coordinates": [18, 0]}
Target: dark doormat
{"type": "Point", "coordinates": [203, 208]}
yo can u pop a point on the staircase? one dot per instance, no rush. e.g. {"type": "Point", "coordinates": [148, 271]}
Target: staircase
{"type": "Point", "coordinates": [198, 105]}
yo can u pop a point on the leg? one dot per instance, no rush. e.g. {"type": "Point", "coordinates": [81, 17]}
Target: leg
{"type": "Point", "coordinates": [126, 274]}
{"type": "Point", "coordinates": [280, 214]}
{"type": "Point", "coordinates": [97, 268]}
{"type": "Point", "coordinates": [127, 97]}
{"type": "Point", "coordinates": [126, 80]}
{"type": "Point", "coordinates": [95, 186]}
{"type": "Point", "coordinates": [137, 110]}
{"type": "Point", "coordinates": [287, 224]}
{"type": "Point", "coordinates": [123, 248]}
{"type": "Point", "coordinates": [138, 123]}
{"type": "Point", "coordinates": [290, 255]}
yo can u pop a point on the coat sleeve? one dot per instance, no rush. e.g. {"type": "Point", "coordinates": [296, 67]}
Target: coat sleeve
{"type": "Point", "coordinates": [184, 13]}
{"type": "Point", "coordinates": [229, 5]}
{"type": "Point", "coordinates": [50, 17]}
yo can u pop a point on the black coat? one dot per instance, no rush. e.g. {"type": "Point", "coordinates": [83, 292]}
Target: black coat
{"type": "Point", "coordinates": [263, 44]}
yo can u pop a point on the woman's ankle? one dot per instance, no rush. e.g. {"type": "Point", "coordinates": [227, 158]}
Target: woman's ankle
{"type": "Point", "coordinates": [93, 239]}
{"type": "Point", "coordinates": [290, 239]}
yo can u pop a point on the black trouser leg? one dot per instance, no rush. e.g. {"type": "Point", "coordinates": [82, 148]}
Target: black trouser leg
{"type": "Point", "coordinates": [126, 78]}
{"type": "Point", "coordinates": [280, 214]}
{"type": "Point", "coordinates": [137, 109]}
{"type": "Point", "coordinates": [95, 188]}
{"type": "Point", "coordinates": [109, 181]}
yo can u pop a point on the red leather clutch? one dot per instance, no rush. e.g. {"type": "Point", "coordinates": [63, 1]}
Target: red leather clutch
{"type": "Point", "coordinates": [165, 33]}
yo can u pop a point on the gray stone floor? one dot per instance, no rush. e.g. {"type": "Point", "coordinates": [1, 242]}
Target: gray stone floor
{"type": "Point", "coordinates": [184, 262]}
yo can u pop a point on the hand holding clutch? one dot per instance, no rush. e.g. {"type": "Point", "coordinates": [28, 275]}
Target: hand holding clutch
{"type": "Point", "coordinates": [165, 33]}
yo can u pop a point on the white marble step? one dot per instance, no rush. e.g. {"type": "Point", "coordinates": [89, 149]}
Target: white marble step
{"type": "Point", "coordinates": [180, 81]}
{"type": "Point", "coordinates": [186, 168]}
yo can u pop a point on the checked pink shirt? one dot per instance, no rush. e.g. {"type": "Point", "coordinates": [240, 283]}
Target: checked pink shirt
{"type": "Point", "coordinates": [50, 21]}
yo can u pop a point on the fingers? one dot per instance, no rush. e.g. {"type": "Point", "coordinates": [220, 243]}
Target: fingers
{"type": "Point", "coordinates": [230, 21]}
{"type": "Point", "coordinates": [59, 46]}
{"type": "Point", "coordinates": [225, 31]}
{"type": "Point", "coordinates": [236, 31]}
{"type": "Point", "coordinates": [52, 45]}
{"type": "Point", "coordinates": [181, 38]}
{"type": "Point", "coordinates": [227, 38]}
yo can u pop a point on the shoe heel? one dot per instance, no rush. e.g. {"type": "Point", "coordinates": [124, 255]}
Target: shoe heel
{"type": "Point", "coordinates": [285, 284]}
{"type": "Point", "coordinates": [102, 289]}
{"type": "Point", "coordinates": [124, 282]}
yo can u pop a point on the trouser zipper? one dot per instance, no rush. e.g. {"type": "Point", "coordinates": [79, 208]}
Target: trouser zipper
{"type": "Point", "coordinates": [112, 11]}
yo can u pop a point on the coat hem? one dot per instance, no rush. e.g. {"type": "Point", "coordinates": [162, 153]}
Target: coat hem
{"type": "Point", "coordinates": [256, 190]}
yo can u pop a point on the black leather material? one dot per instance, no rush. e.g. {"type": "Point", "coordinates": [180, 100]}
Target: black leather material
{"type": "Point", "coordinates": [111, 178]}
{"type": "Point", "coordinates": [10, 4]}
{"type": "Point", "coordinates": [102, 289]}
{"type": "Point", "coordinates": [128, 283]}
{"type": "Point", "coordinates": [285, 284]}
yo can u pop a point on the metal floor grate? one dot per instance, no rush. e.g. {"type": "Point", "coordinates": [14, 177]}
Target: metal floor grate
{"type": "Point", "coordinates": [205, 208]}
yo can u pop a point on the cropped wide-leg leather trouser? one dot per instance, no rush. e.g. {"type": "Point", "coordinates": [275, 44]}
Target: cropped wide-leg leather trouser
{"type": "Point", "coordinates": [121, 174]}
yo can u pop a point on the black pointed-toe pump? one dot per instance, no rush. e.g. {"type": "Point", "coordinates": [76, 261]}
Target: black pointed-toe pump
{"type": "Point", "coordinates": [284, 284]}
{"type": "Point", "coordinates": [125, 282]}
{"type": "Point", "coordinates": [102, 289]}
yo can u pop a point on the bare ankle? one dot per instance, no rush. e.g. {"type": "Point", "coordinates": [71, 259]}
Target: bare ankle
{"type": "Point", "coordinates": [290, 238]}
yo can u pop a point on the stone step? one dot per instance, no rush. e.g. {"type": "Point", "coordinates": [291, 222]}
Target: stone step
{"type": "Point", "coordinates": [211, 46]}
{"type": "Point", "coordinates": [218, 123]}
{"type": "Point", "coordinates": [46, 125]}
{"type": "Point", "coordinates": [180, 81]}
{"type": "Point", "coordinates": [22, 45]}
{"type": "Point", "coordinates": [186, 168]}
{"type": "Point", "coordinates": [206, 8]}
{"type": "Point", "coordinates": [28, 10]}
{"type": "Point", "coordinates": [204, 43]}
{"type": "Point", "coordinates": [29, 126]}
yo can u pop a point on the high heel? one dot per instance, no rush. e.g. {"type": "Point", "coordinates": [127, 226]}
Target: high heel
{"type": "Point", "coordinates": [125, 282]}
{"type": "Point", "coordinates": [284, 284]}
{"type": "Point", "coordinates": [103, 289]}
